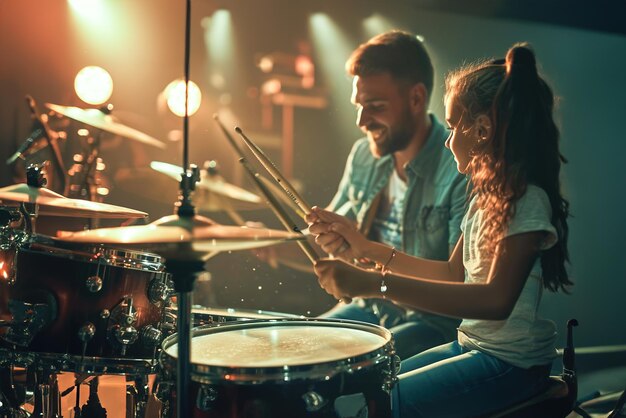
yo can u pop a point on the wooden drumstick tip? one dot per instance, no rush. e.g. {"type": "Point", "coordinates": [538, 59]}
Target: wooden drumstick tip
{"type": "Point", "coordinates": [238, 130]}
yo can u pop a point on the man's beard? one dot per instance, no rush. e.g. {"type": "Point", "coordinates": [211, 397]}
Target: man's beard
{"type": "Point", "coordinates": [395, 141]}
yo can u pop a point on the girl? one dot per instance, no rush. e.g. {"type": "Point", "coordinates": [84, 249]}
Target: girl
{"type": "Point", "coordinates": [513, 244]}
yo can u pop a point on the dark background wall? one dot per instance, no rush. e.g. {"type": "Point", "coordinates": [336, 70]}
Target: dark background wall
{"type": "Point", "coordinates": [43, 44]}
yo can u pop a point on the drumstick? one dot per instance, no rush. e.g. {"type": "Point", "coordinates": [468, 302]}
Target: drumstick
{"type": "Point", "coordinates": [284, 218]}
{"type": "Point", "coordinates": [271, 168]}
{"type": "Point", "coordinates": [241, 154]}
{"type": "Point", "coordinates": [279, 212]}
{"type": "Point", "coordinates": [271, 199]}
{"type": "Point", "coordinates": [228, 136]}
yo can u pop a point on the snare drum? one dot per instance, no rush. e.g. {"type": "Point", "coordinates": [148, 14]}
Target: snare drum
{"type": "Point", "coordinates": [209, 316]}
{"type": "Point", "coordinates": [86, 304]}
{"type": "Point", "coordinates": [288, 367]}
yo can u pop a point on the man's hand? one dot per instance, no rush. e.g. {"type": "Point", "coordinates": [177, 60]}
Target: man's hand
{"type": "Point", "coordinates": [331, 242]}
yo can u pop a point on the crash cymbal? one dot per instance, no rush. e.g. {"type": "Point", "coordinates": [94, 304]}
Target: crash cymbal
{"type": "Point", "coordinates": [213, 193]}
{"type": "Point", "coordinates": [53, 204]}
{"type": "Point", "coordinates": [100, 120]}
{"type": "Point", "coordinates": [177, 237]}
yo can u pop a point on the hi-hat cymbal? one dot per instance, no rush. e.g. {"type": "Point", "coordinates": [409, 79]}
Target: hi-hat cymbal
{"type": "Point", "coordinates": [100, 120]}
{"type": "Point", "coordinates": [176, 237]}
{"type": "Point", "coordinates": [213, 193]}
{"type": "Point", "coordinates": [53, 204]}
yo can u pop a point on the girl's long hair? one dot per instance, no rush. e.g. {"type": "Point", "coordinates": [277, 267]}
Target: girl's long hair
{"type": "Point", "coordinates": [524, 148]}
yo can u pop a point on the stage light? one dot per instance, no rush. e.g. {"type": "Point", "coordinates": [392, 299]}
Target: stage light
{"type": "Point", "coordinates": [93, 85]}
{"type": "Point", "coordinates": [219, 39]}
{"type": "Point", "coordinates": [331, 48]}
{"type": "Point", "coordinates": [87, 8]}
{"type": "Point", "coordinates": [175, 96]}
{"type": "Point", "coordinates": [376, 24]}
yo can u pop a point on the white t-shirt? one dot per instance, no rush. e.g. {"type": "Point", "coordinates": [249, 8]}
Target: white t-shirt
{"type": "Point", "coordinates": [387, 224]}
{"type": "Point", "coordinates": [523, 339]}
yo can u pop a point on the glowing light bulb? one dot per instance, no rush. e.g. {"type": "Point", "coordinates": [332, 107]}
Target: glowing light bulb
{"type": "Point", "coordinates": [175, 95]}
{"type": "Point", "coordinates": [93, 85]}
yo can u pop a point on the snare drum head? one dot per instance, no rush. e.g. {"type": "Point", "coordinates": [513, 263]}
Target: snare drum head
{"type": "Point", "coordinates": [280, 343]}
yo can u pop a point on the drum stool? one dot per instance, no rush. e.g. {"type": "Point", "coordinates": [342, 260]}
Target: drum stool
{"type": "Point", "coordinates": [559, 397]}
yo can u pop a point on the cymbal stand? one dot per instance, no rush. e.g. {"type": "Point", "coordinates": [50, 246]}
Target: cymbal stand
{"type": "Point", "coordinates": [184, 271]}
{"type": "Point", "coordinates": [34, 178]}
{"type": "Point", "coordinates": [85, 186]}
{"type": "Point", "coordinates": [184, 266]}
{"type": "Point", "coordinates": [90, 182]}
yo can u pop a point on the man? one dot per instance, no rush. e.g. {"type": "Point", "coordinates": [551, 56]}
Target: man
{"type": "Point", "coordinates": [400, 184]}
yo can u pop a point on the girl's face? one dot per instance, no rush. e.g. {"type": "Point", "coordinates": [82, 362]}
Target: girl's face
{"type": "Point", "coordinates": [462, 138]}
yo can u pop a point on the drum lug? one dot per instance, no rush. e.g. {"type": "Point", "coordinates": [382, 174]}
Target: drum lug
{"type": "Point", "coordinates": [150, 336]}
{"type": "Point", "coordinates": [313, 401]}
{"type": "Point", "coordinates": [122, 331]}
{"type": "Point", "coordinates": [86, 332]}
{"type": "Point", "coordinates": [94, 284]}
{"type": "Point", "coordinates": [169, 319]}
{"type": "Point", "coordinates": [159, 290]}
{"type": "Point", "coordinates": [391, 375]}
{"type": "Point", "coordinates": [206, 396]}
{"type": "Point", "coordinates": [125, 336]}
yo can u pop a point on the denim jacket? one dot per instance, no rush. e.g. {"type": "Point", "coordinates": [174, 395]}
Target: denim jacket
{"type": "Point", "coordinates": [435, 200]}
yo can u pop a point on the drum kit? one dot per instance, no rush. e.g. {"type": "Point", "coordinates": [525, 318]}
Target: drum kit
{"type": "Point", "coordinates": [117, 301]}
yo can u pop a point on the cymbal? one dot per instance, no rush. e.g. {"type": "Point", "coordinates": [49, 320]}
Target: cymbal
{"type": "Point", "coordinates": [177, 237]}
{"type": "Point", "coordinates": [213, 193]}
{"type": "Point", "coordinates": [54, 204]}
{"type": "Point", "coordinates": [101, 120]}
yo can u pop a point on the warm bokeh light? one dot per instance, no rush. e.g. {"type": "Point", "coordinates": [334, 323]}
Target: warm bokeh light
{"type": "Point", "coordinates": [271, 86]}
{"type": "Point", "coordinates": [305, 67]}
{"type": "Point", "coordinates": [93, 85]}
{"type": "Point", "coordinates": [4, 271]}
{"type": "Point", "coordinates": [266, 64]}
{"type": "Point", "coordinates": [175, 96]}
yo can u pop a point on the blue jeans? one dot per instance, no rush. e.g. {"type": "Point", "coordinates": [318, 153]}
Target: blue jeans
{"type": "Point", "coordinates": [412, 333]}
{"type": "Point", "coordinates": [452, 381]}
